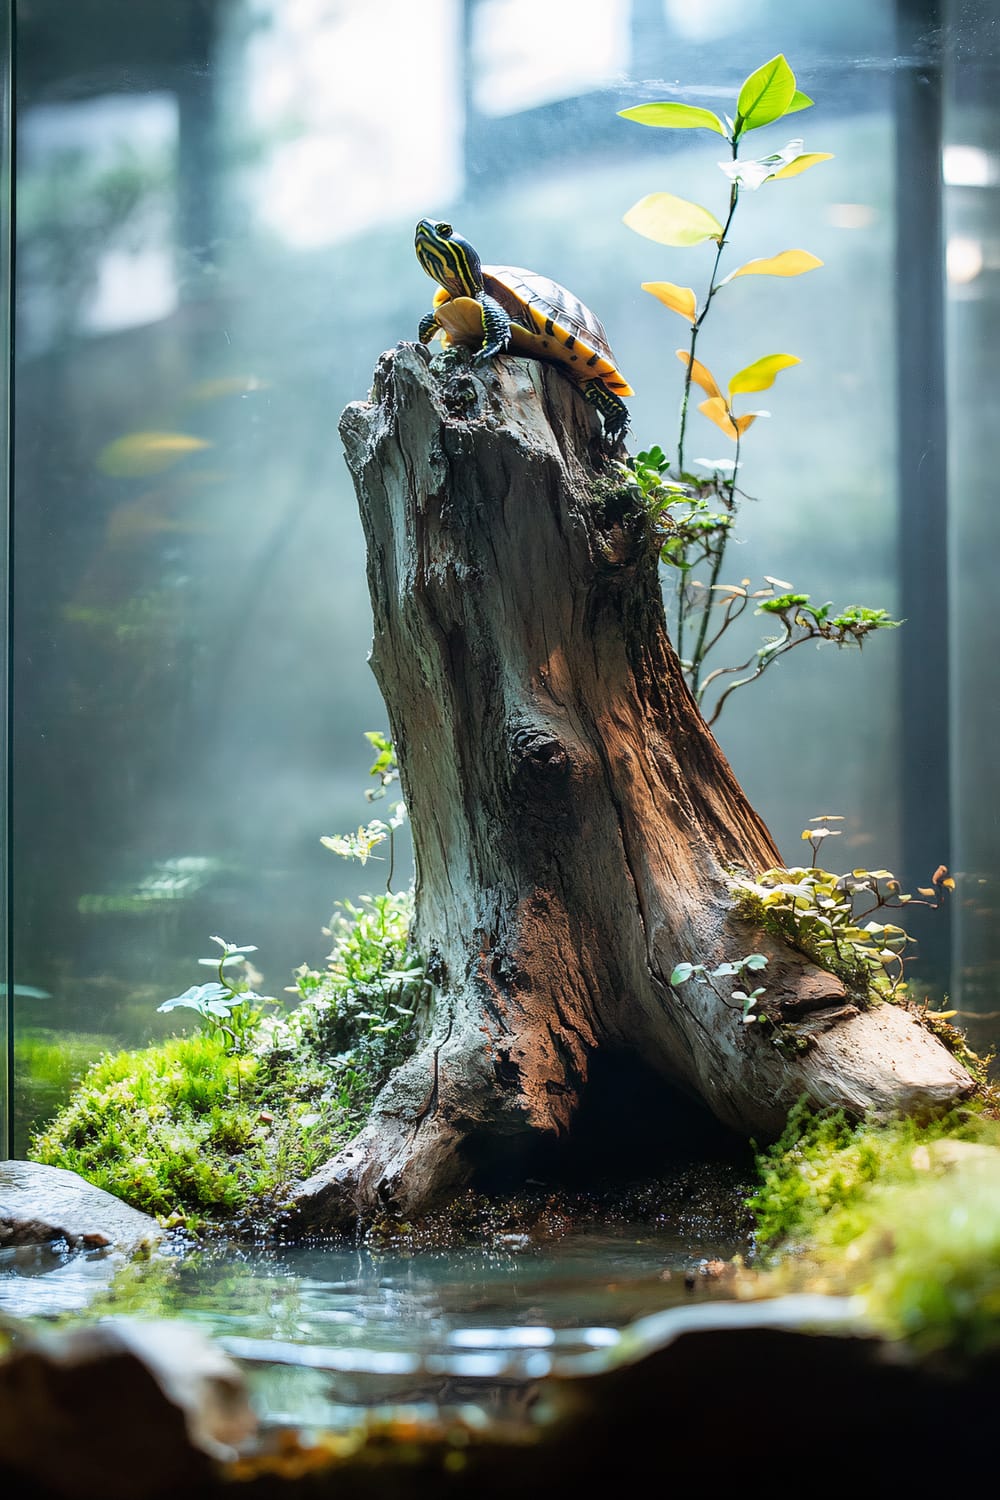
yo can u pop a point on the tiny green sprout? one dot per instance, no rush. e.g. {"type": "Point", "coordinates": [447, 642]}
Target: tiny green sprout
{"type": "Point", "coordinates": [737, 999]}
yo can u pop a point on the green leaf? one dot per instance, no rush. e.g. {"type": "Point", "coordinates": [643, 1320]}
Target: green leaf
{"type": "Point", "coordinates": [672, 116]}
{"type": "Point", "coordinates": [761, 374]}
{"type": "Point", "coordinates": [765, 95]}
{"type": "Point", "coordinates": [198, 997]}
{"type": "Point", "coordinates": [755, 961]}
{"type": "Point", "coordinates": [672, 221]}
{"type": "Point", "coordinates": [682, 973]}
{"type": "Point", "coordinates": [799, 101]}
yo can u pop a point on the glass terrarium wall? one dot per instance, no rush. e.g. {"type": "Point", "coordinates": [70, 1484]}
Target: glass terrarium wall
{"type": "Point", "coordinates": [972, 233]}
{"type": "Point", "coordinates": [215, 214]}
{"type": "Point", "coordinates": [6, 1032]}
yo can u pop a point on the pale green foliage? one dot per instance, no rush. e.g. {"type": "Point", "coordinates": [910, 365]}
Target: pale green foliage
{"type": "Point", "coordinates": [832, 918]}
{"type": "Point", "coordinates": [738, 999]}
{"type": "Point", "coordinates": [358, 1015]}
{"type": "Point", "coordinates": [228, 1004]}
{"type": "Point", "coordinates": [362, 844]}
{"type": "Point", "coordinates": [692, 517]}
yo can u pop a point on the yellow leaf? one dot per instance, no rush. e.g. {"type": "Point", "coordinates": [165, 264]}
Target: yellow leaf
{"type": "Point", "coordinates": [742, 423]}
{"type": "Point", "coordinates": [942, 1015]}
{"type": "Point", "coordinates": [142, 453]}
{"type": "Point", "coordinates": [672, 221]}
{"type": "Point", "coordinates": [699, 373]}
{"type": "Point", "coordinates": [788, 263]}
{"type": "Point", "coordinates": [801, 164]}
{"type": "Point", "coordinates": [680, 299]}
{"type": "Point", "coordinates": [716, 411]}
{"type": "Point", "coordinates": [760, 375]}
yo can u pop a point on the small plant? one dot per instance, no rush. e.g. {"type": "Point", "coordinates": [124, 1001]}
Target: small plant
{"type": "Point", "coordinates": [833, 918]}
{"type": "Point", "coordinates": [359, 1013]}
{"type": "Point", "coordinates": [227, 1005]}
{"type": "Point", "coordinates": [693, 516]}
{"type": "Point", "coordinates": [781, 1034]}
{"type": "Point", "coordinates": [362, 844]}
{"type": "Point", "coordinates": [738, 999]}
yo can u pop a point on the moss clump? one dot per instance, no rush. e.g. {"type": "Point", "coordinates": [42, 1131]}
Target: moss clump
{"type": "Point", "coordinates": [906, 1214]}
{"type": "Point", "coordinates": [200, 1134]}
{"type": "Point", "coordinates": [179, 1130]}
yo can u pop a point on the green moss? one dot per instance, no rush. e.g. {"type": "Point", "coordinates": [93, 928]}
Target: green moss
{"type": "Point", "coordinates": [170, 1128]}
{"type": "Point", "coordinates": [906, 1214]}
{"type": "Point", "coordinates": [197, 1135]}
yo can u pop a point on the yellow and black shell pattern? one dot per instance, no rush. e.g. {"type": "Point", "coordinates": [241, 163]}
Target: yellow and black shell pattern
{"type": "Point", "coordinates": [548, 323]}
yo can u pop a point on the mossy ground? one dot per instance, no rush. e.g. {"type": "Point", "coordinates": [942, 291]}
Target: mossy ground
{"type": "Point", "coordinates": [204, 1136]}
{"type": "Point", "coordinates": [183, 1130]}
{"type": "Point", "coordinates": [905, 1214]}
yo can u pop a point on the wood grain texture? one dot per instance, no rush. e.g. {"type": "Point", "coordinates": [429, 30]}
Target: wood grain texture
{"type": "Point", "coordinates": [573, 817]}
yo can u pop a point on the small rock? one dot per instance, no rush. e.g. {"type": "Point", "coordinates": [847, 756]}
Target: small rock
{"type": "Point", "coordinates": [39, 1204]}
{"type": "Point", "coordinates": [707, 1270]}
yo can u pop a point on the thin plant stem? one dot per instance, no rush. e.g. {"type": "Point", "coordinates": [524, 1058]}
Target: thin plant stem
{"type": "Point", "coordinates": [734, 194]}
{"type": "Point", "coordinates": [696, 658]}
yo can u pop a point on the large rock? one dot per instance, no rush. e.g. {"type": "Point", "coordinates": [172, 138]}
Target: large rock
{"type": "Point", "coordinates": [39, 1204]}
{"type": "Point", "coordinates": [123, 1410]}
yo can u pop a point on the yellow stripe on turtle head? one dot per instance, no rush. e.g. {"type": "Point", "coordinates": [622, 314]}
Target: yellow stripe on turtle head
{"type": "Point", "coordinates": [448, 258]}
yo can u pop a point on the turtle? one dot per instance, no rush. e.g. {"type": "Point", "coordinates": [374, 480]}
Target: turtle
{"type": "Point", "coordinates": [495, 308]}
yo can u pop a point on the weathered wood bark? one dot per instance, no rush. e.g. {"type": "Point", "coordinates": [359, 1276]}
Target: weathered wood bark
{"type": "Point", "coordinates": [573, 817]}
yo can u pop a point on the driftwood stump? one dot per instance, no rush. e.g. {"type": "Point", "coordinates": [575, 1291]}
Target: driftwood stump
{"type": "Point", "coordinates": [573, 817]}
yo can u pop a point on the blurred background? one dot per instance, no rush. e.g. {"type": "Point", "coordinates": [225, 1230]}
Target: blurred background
{"type": "Point", "coordinates": [212, 228]}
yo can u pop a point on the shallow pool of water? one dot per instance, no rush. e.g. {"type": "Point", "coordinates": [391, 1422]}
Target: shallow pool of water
{"type": "Point", "coordinates": [326, 1332]}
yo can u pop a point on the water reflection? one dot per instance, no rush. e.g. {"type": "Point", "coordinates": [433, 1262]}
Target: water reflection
{"type": "Point", "coordinates": [326, 1333]}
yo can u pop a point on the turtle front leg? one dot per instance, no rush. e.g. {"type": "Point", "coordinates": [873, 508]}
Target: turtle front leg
{"type": "Point", "coordinates": [496, 329]}
{"type": "Point", "coordinates": [611, 407]}
{"type": "Point", "coordinates": [427, 327]}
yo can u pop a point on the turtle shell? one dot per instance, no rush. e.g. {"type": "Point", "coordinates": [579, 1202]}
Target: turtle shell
{"type": "Point", "coordinates": [551, 323]}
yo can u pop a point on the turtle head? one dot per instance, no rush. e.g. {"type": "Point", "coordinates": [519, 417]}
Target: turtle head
{"type": "Point", "coordinates": [448, 258]}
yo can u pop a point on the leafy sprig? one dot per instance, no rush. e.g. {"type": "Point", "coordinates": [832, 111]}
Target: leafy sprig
{"type": "Point", "coordinates": [693, 518]}
{"type": "Point", "coordinates": [227, 1004]}
{"type": "Point", "coordinates": [833, 919]}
